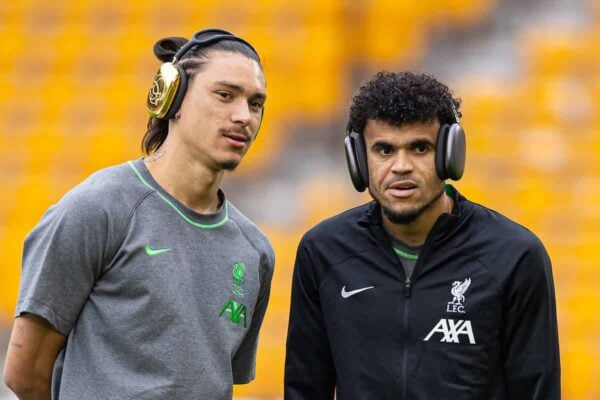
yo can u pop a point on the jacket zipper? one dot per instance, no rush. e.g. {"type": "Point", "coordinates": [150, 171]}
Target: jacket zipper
{"type": "Point", "coordinates": [408, 281]}
{"type": "Point", "coordinates": [407, 294]}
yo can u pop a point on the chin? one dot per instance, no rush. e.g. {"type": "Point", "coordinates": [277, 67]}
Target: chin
{"type": "Point", "coordinates": [229, 165]}
{"type": "Point", "coordinates": [408, 213]}
{"type": "Point", "coordinates": [403, 216]}
{"type": "Point", "coordinates": [230, 160]}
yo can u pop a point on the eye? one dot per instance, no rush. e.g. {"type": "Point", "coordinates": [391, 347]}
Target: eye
{"type": "Point", "coordinates": [224, 95]}
{"type": "Point", "coordinates": [257, 105]}
{"type": "Point", "coordinates": [384, 149]}
{"type": "Point", "coordinates": [421, 148]}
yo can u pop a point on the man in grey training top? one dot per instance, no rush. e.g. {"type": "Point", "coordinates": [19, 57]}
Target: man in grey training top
{"type": "Point", "coordinates": [144, 282]}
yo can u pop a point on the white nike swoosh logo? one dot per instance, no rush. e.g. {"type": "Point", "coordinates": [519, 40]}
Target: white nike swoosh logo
{"type": "Point", "coordinates": [345, 294]}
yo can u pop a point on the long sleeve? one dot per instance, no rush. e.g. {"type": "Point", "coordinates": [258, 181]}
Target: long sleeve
{"type": "Point", "coordinates": [530, 335]}
{"type": "Point", "coordinates": [309, 370]}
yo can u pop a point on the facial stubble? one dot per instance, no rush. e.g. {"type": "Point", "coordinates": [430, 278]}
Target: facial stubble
{"type": "Point", "coordinates": [409, 216]}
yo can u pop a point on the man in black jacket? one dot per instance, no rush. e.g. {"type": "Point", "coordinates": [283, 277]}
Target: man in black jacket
{"type": "Point", "coordinates": [419, 294]}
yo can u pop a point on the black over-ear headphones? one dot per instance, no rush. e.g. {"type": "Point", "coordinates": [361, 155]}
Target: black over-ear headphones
{"type": "Point", "coordinates": [450, 152]}
{"type": "Point", "coordinates": [170, 83]}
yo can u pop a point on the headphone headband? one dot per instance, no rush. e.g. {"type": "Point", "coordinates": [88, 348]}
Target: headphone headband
{"type": "Point", "coordinates": [455, 112]}
{"type": "Point", "coordinates": [205, 38]}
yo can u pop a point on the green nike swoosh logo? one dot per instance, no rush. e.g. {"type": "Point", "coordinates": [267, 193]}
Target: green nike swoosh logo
{"type": "Point", "coordinates": [153, 252]}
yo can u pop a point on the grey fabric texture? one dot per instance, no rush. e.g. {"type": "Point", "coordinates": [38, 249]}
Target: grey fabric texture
{"type": "Point", "coordinates": [407, 263]}
{"type": "Point", "coordinates": [157, 301]}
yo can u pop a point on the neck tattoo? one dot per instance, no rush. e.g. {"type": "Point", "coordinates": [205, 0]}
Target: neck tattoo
{"type": "Point", "coordinates": [154, 156]}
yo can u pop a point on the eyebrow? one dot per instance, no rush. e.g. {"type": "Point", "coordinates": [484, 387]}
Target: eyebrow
{"type": "Point", "coordinates": [238, 88]}
{"type": "Point", "coordinates": [417, 142]}
{"type": "Point", "coordinates": [413, 143]}
{"type": "Point", "coordinates": [380, 143]}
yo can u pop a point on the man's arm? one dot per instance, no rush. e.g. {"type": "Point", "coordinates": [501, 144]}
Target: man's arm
{"type": "Point", "coordinates": [530, 334]}
{"type": "Point", "coordinates": [32, 350]}
{"type": "Point", "coordinates": [309, 370]}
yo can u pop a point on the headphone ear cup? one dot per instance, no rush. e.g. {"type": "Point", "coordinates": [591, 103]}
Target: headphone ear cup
{"type": "Point", "coordinates": [456, 149]}
{"type": "Point", "coordinates": [356, 159]}
{"type": "Point", "coordinates": [440, 152]}
{"type": "Point", "coordinates": [179, 93]}
{"type": "Point", "coordinates": [163, 90]}
{"type": "Point", "coordinates": [450, 152]}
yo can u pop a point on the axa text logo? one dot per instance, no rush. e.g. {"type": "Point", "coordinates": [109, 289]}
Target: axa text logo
{"type": "Point", "coordinates": [450, 331]}
{"type": "Point", "coordinates": [236, 311]}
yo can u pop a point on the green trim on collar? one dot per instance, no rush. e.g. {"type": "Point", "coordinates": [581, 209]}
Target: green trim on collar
{"type": "Point", "coordinates": [403, 254]}
{"type": "Point", "coordinates": [181, 214]}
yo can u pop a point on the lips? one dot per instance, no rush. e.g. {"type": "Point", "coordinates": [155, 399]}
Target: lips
{"type": "Point", "coordinates": [402, 189]}
{"type": "Point", "coordinates": [236, 139]}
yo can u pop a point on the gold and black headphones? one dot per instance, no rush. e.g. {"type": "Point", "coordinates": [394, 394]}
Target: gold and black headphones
{"type": "Point", "coordinates": [450, 153]}
{"type": "Point", "coordinates": [170, 83]}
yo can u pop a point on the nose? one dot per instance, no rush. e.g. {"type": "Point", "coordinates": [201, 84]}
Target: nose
{"type": "Point", "coordinates": [241, 113]}
{"type": "Point", "coordinates": [402, 164]}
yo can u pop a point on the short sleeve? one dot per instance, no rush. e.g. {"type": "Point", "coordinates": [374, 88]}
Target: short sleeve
{"type": "Point", "coordinates": [62, 258]}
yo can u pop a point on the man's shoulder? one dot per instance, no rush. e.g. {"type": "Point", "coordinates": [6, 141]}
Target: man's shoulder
{"type": "Point", "coordinates": [112, 188]}
{"type": "Point", "coordinates": [493, 223]}
{"type": "Point", "coordinates": [498, 241]}
{"type": "Point", "coordinates": [115, 178]}
{"type": "Point", "coordinates": [252, 232]}
{"type": "Point", "coordinates": [505, 247]}
{"type": "Point", "coordinates": [242, 220]}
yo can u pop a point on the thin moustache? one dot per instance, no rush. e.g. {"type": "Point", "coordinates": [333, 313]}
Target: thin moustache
{"type": "Point", "coordinates": [236, 133]}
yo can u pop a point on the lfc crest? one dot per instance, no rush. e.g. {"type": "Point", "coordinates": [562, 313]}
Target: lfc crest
{"type": "Point", "coordinates": [458, 296]}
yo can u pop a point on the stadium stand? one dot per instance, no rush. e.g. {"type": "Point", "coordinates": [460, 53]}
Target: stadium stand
{"type": "Point", "coordinates": [74, 76]}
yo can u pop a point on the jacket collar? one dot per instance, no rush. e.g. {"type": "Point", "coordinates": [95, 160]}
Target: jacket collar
{"type": "Point", "coordinates": [444, 225]}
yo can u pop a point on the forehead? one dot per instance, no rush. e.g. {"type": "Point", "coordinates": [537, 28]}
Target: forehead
{"type": "Point", "coordinates": [232, 67]}
{"type": "Point", "coordinates": [380, 130]}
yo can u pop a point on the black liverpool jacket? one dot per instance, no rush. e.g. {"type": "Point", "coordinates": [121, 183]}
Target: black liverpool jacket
{"type": "Point", "coordinates": [476, 321]}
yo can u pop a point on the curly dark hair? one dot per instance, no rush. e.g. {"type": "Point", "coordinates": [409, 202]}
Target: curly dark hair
{"type": "Point", "coordinates": [402, 98]}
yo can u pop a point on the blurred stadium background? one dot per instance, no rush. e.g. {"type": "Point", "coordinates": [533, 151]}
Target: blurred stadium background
{"type": "Point", "coordinates": [74, 76]}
